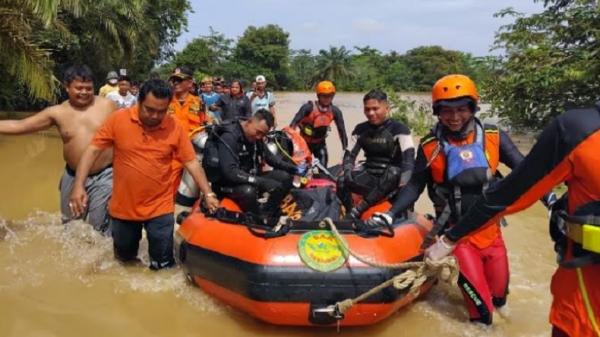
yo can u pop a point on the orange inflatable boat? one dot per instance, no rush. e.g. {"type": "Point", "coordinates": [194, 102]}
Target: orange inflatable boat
{"type": "Point", "coordinates": [290, 277]}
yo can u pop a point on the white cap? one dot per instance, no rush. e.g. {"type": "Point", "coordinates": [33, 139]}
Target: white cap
{"type": "Point", "coordinates": [261, 78]}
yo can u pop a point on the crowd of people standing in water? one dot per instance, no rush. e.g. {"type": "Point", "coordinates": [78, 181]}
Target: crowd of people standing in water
{"type": "Point", "coordinates": [125, 151]}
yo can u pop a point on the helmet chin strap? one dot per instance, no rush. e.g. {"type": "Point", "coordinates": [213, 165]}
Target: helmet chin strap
{"type": "Point", "coordinates": [463, 132]}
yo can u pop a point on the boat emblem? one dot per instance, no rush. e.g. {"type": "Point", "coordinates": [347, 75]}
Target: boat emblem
{"type": "Point", "coordinates": [320, 251]}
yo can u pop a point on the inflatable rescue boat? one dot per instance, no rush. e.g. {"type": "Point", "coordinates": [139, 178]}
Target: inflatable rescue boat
{"type": "Point", "coordinates": [293, 274]}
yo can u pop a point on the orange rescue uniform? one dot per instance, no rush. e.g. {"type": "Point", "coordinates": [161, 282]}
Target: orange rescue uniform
{"type": "Point", "coordinates": [567, 151]}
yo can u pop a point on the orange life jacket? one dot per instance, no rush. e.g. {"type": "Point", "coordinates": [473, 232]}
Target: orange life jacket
{"type": "Point", "coordinates": [315, 125]}
{"type": "Point", "coordinates": [436, 159]}
{"type": "Point", "coordinates": [301, 152]}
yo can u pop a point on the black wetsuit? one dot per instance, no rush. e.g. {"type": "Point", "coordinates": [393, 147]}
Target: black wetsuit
{"type": "Point", "coordinates": [238, 176]}
{"type": "Point", "coordinates": [318, 147]}
{"type": "Point", "coordinates": [389, 162]}
{"type": "Point", "coordinates": [234, 107]}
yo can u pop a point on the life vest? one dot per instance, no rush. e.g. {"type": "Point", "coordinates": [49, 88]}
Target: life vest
{"type": "Point", "coordinates": [190, 114]}
{"type": "Point", "coordinates": [315, 125]}
{"type": "Point", "coordinates": [581, 228]}
{"type": "Point", "coordinates": [460, 173]}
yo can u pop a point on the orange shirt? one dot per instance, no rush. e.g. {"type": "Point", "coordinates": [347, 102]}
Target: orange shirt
{"type": "Point", "coordinates": [189, 114]}
{"type": "Point", "coordinates": [142, 187]}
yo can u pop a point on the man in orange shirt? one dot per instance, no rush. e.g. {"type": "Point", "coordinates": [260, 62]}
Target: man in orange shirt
{"type": "Point", "coordinates": [145, 142]}
{"type": "Point", "coordinates": [186, 108]}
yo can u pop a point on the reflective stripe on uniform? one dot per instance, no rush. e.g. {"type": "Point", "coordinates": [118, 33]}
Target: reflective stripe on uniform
{"type": "Point", "coordinates": [586, 301]}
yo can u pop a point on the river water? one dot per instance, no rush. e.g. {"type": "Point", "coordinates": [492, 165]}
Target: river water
{"type": "Point", "coordinates": [64, 281]}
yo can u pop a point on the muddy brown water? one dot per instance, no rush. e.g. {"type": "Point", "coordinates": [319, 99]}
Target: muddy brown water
{"type": "Point", "coordinates": [63, 281]}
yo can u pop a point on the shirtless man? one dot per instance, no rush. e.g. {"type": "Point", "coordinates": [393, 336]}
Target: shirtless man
{"type": "Point", "coordinates": [77, 120]}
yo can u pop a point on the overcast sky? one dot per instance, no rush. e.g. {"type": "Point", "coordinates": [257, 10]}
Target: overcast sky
{"type": "Point", "coordinates": [466, 25]}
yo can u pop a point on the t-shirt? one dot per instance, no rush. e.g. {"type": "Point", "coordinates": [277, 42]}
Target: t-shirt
{"type": "Point", "coordinates": [122, 101]}
{"type": "Point", "coordinates": [105, 89]}
{"type": "Point", "coordinates": [209, 98]}
{"type": "Point", "coordinates": [142, 173]}
{"type": "Point", "coordinates": [264, 102]}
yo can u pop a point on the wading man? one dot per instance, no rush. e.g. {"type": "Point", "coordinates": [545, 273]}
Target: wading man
{"type": "Point", "coordinates": [145, 141]}
{"type": "Point", "coordinates": [77, 119]}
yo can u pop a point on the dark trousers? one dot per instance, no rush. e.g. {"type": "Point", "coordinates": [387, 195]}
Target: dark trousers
{"type": "Point", "coordinates": [127, 234]}
{"type": "Point", "coordinates": [372, 187]}
{"type": "Point", "coordinates": [246, 195]}
{"type": "Point", "coordinates": [319, 151]}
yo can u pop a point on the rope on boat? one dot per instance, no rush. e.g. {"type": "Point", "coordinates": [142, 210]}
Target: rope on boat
{"type": "Point", "coordinates": [415, 275]}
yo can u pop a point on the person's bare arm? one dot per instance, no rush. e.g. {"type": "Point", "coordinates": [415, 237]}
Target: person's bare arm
{"type": "Point", "coordinates": [79, 198]}
{"type": "Point", "coordinates": [40, 121]}
{"type": "Point", "coordinates": [197, 172]}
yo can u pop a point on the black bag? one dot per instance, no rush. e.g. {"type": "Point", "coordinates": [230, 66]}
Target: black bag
{"type": "Point", "coordinates": [315, 204]}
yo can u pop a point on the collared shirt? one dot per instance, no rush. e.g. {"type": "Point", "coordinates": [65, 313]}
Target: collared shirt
{"type": "Point", "coordinates": [142, 183]}
{"type": "Point", "coordinates": [189, 113]}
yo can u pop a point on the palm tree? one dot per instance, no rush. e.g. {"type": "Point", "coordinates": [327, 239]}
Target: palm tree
{"type": "Point", "coordinates": [333, 64]}
{"type": "Point", "coordinates": [22, 55]}
{"type": "Point", "coordinates": [33, 31]}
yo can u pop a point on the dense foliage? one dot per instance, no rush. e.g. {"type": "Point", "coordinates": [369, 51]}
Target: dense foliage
{"type": "Point", "coordinates": [551, 62]}
{"type": "Point", "coordinates": [39, 38]}
{"type": "Point", "coordinates": [265, 50]}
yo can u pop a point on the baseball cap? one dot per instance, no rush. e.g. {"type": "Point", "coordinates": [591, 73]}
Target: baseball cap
{"type": "Point", "coordinates": [183, 73]}
{"type": "Point", "coordinates": [112, 77]}
{"type": "Point", "coordinates": [261, 78]}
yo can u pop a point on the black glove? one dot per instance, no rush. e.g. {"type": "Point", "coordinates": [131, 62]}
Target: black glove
{"type": "Point", "coordinates": [380, 220]}
{"type": "Point", "coordinates": [267, 184]}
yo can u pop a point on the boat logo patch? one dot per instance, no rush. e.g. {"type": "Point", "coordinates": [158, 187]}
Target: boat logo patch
{"type": "Point", "coordinates": [320, 251]}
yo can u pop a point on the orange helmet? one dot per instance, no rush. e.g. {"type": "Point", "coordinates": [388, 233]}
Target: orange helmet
{"type": "Point", "coordinates": [453, 87]}
{"type": "Point", "coordinates": [325, 88]}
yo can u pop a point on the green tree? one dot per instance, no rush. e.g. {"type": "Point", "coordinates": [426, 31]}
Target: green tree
{"type": "Point", "coordinates": [551, 62]}
{"type": "Point", "coordinates": [198, 55]}
{"type": "Point", "coordinates": [39, 38]}
{"type": "Point", "coordinates": [333, 64]}
{"type": "Point", "coordinates": [428, 63]}
{"type": "Point", "coordinates": [302, 67]}
{"type": "Point", "coordinates": [23, 58]}
{"type": "Point", "coordinates": [262, 50]}
{"type": "Point", "coordinates": [367, 67]}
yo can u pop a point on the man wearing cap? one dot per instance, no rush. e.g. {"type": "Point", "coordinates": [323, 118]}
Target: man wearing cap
{"type": "Point", "coordinates": [186, 109]}
{"type": "Point", "coordinates": [260, 98]}
{"type": "Point", "coordinates": [112, 81]}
